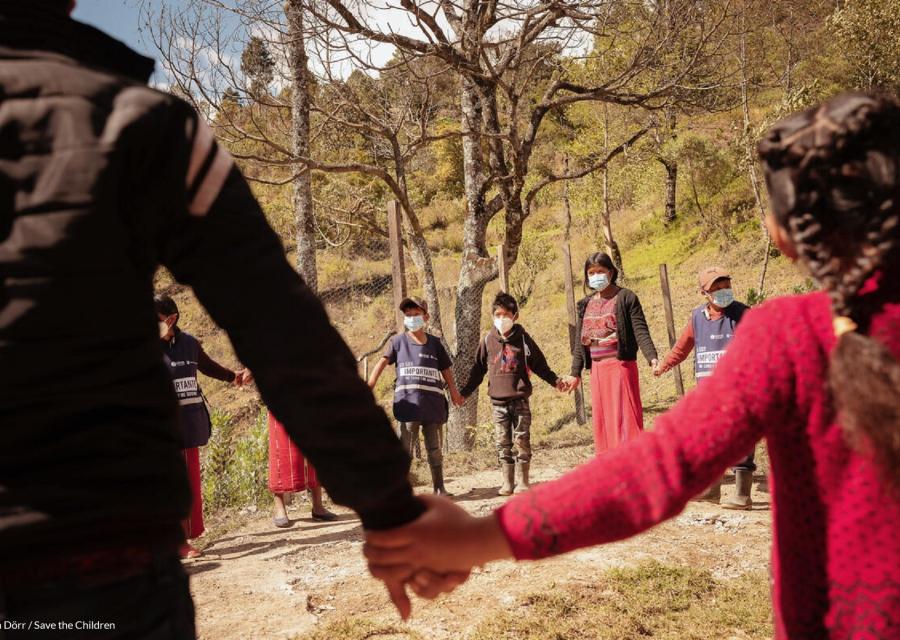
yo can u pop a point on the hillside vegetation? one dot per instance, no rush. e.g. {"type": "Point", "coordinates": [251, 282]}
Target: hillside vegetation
{"type": "Point", "coordinates": [773, 61]}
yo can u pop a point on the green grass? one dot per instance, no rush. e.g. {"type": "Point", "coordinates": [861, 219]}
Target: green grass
{"type": "Point", "coordinates": [650, 600]}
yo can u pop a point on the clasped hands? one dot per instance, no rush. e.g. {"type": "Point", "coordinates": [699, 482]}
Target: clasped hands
{"type": "Point", "coordinates": [435, 553]}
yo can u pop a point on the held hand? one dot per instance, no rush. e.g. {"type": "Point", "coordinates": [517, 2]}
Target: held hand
{"type": "Point", "coordinates": [457, 398]}
{"type": "Point", "coordinates": [445, 539]}
{"type": "Point", "coordinates": [238, 379]}
{"type": "Point", "coordinates": [570, 383]}
{"type": "Point", "coordinates": [654, 365]}
{"type": "Point", "coordinates": [247, 377]}
{"type": "Point", "coordinates": [429, 585]}
{"type": "Point", "coordinates": [424, 583]}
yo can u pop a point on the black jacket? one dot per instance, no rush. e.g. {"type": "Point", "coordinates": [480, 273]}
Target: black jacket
{"type": "Point", "coordinates": [507, 362]}
{"type": "Point", "coordinates": [631, 328]}
{"type": "Point", "coordinates": [103, 179]}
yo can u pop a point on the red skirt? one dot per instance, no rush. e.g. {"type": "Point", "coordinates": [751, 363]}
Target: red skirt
{"type": "Point", "coordinates": [193, 524]}
{"type": "Point", "coordinates": [288, 469]}
{"type": "Point", "coordinates": [615, 402]}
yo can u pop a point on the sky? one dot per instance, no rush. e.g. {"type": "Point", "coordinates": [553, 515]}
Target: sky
{"type": "Point", "coordinates": [118, 18]}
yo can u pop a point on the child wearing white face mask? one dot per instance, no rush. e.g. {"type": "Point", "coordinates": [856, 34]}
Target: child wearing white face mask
{"type": "Point", "coordinates": [419, 401]}
{"type": "Point", "coordinates": [507, 354]}
{"type": "Point", "coordinates": [708, 334]}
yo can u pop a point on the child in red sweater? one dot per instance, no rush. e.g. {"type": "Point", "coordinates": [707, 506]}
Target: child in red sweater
{"type": "Point", "coordinates": [816, 375]}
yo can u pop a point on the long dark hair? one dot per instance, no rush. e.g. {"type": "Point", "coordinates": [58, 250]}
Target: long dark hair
{"type": "Point", "coordinates": [600, 259]}
{"type": "Point", "coordinates": [833, 174]}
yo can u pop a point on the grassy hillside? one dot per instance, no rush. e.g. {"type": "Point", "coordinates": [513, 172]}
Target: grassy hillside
{"type": "Point", "coordinates": [360, 305]}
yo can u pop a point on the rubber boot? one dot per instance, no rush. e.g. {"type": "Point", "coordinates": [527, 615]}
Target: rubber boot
{"type": "Point", "coordinates": [712, 494]}
{"type": "Point", "coordinates": [437, 479]}
{"type": "Point", "coordinates": [522, 484]}
{"type": "Point", "coordinates": [743, 482]}
{"type": "Point", "coordinates": [508, 474]}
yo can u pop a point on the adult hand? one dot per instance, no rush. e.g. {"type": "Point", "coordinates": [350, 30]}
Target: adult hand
{"type": "Point", "coordinates": [445, 539]}
{"type": "Point", "coordinates": [456, 398]}
{"type": "Point", "coordinates": [247, 377]}
{"type": "Point", "coordinates": [657, 369]}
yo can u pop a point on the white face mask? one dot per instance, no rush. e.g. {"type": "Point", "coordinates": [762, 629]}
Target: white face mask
{"type": "Point", "coordinates": [413, 323]}
{"type": "Point", "coordinates": [503, 324]}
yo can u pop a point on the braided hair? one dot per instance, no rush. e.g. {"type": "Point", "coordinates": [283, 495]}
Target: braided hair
{"type": "Point", "coordinates": [833, 175]}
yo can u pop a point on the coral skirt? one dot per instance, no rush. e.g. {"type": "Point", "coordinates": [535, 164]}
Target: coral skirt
{"type": "Point", "coordinates": [616, 403]}
{"type": "Point", "coordinates": [193, 524]}
{"type": "Point", "coordinates": [289, 471]}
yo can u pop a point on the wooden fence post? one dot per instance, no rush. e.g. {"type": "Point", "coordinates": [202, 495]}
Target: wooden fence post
{"type": "Point", "coordinates": [670, 322]}
{"type": "Point", "coordinates": [502, 266]}
{"type": "Point", "coordinates": [398, 270]}
{"type": "Point", "coordinates": [574, 341]}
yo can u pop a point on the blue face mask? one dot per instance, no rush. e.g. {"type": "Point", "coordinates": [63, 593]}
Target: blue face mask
{"type": "Point", "coordinates": [722, 298]}
{"type": "Point", "coordinates": [598, 281]}
{"type": "Point", "coordinates": [413, 323]}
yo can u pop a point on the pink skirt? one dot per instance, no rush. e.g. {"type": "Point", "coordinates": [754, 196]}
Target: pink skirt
{"type": "Point", "coordinates": [289, 471]}
{"type": "Point", "coordinates": [193, 524]}
{"type": "Point", "coordinates": [616, 403]}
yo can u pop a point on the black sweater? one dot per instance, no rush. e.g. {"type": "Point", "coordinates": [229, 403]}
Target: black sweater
{"type": "Point", "coordinates": [506, 361]}
{"type": "Point", "coordinates": [104, 180]}
{"type": "Point", "coordinates": [630, 325]}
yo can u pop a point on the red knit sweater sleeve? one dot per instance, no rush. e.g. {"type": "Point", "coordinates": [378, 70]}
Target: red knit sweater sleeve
{"type": "Point", "coordinates": [681, 350]}
{"type": "Point", "coordinates": [651, 478]}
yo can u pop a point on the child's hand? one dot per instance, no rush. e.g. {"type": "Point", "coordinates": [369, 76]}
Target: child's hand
{"type": "Point", "coordinates": [445, 539]}
{"type": "Point", "coordinates": [570, 383]}
{"type": "Point", "coordinates": [657, 370]}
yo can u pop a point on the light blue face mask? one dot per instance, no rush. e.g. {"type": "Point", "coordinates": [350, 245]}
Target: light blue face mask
{"type": "Point", "coordinates": [722, 298]}
{"type": "Point", "coordinates": [413, 323]}
{"type": "Point", "coordinates": [598, 281]}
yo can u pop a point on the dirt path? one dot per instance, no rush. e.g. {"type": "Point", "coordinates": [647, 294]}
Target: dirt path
{"type": "Point", "coordinates": [262, 582]}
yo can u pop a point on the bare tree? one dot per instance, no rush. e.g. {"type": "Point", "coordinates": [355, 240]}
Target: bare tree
{"type": "Point", "coordinates": [518, 61]}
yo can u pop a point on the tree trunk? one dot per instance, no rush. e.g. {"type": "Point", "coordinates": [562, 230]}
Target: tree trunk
{"type": "Point", "coordinates": [751, 160]}
{"type": "Point", "coordinates": [612, 247]}
{"type": "Point", "coordinates": [304, 215]}
{"type": "Point", "coordinates": [418, 247]}
{"type": "Point", "coordinates": [476, 269]}
{"type": "Point", "coordinates": [671, 189]}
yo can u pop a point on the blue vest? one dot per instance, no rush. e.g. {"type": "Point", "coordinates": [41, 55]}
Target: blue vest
{"type": "Point", "coordinates": [181, 356]}
{"type": "Point", "coordinates": [712, 337]}
{"type": "Point", "coordinates": [419, 390]}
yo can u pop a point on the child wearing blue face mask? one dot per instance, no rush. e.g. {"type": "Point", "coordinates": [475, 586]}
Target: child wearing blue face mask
{"type": "Point", "coordinates": [612, 327]}
{"type": "Point", "coordinates": [419, 401]}
{"type": "Point", "coordinates": [708, 334]}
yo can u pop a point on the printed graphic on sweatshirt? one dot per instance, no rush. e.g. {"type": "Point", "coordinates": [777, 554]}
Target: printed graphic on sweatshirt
{"type": "Point", "coordinates": [507, 359]}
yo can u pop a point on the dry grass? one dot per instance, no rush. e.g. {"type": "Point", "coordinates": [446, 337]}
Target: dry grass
{"type": "Point", "coordinates": [650, 600]}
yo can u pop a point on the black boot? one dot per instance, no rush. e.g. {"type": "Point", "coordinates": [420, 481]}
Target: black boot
{"type": "Point", "coordinates": [437, 479]}
{"type": "Point", "coordinates": [743, 482]}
